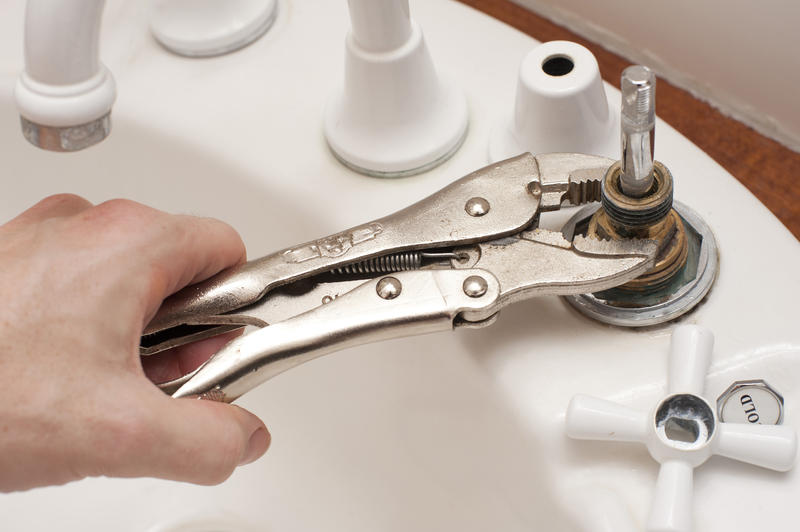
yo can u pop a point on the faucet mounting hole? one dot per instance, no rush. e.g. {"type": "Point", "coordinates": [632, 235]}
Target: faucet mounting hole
{"type": "Point", "coordinates": [558, 65]}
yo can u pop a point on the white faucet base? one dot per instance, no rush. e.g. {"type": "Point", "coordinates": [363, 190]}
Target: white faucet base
{"type": "Point", "coordinates": [204, 28]}
{"type": "Point", "coordinates": [66, 117]}
{"type": "Point", "coordinates": [394, 115]}
{"type": "Point", "coordinates": [560, 106]}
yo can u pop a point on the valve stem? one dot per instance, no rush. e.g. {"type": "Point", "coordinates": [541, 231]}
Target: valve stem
{"type": "Point", "coordinates": [638, 88]}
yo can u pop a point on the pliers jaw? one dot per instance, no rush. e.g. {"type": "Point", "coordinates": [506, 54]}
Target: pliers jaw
{"type": "Point", "coordinates": [485, 225]}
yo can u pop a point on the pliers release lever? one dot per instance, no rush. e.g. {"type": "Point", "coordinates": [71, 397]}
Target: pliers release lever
{"type": "Point", "coordinates": [453, 259]}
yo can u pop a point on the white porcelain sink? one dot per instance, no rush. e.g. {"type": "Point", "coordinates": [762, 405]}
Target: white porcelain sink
{"type": "Point", "coordinates": [460, 431]}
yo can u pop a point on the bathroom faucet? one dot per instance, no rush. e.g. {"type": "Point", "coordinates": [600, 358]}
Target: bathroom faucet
{"type": "Point", "coordinates": [65, 93]}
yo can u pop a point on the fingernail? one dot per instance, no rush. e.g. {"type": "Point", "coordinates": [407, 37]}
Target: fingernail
{"type": "Point", "coordinates": [256, 446]}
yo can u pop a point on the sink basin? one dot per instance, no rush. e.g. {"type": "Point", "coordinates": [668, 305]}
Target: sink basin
{"type": "Point", "coordinates": [459, 431]}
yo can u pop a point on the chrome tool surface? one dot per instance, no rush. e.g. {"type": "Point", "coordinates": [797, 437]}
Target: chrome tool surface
{"type": "Point", "coordinates": [451, 260]}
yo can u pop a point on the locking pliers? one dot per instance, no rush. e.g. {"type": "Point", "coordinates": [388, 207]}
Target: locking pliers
{"type": "Point", "coordinates": [453, 259]}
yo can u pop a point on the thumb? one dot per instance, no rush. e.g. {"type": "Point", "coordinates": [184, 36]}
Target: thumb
{"type": "Point", "coordinates": [196, 441]}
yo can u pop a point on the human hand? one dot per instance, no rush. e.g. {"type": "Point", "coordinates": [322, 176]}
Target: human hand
{"type": "Point", "coordinates": [78, 284]}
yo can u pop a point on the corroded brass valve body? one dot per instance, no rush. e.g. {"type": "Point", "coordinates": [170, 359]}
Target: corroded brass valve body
{"type": "Point", "coordinates": [648, 217]}
{"type": "Point", "coordinates": [636, 202]}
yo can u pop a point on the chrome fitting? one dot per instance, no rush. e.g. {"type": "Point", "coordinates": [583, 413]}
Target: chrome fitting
{"type": "Point", "coordinates": [66, 139]}
{"type": "Point", "coordinates": [637, 128]}
{"type": "Point", "coordinates": [751, 401]}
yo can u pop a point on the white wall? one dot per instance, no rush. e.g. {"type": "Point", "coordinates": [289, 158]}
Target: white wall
{"type": "Point", "coordinates": [743, 56]}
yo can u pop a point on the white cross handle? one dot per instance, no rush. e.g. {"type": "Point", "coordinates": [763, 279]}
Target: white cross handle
{"type": "Point", "coordinates": [682, 431]}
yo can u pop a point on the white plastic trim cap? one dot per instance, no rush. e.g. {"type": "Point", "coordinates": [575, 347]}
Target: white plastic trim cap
{"type": "Point", "coordinates": [66, 105]}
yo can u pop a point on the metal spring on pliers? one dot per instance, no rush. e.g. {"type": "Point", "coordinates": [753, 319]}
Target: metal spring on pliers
{"type": "Point", "coordinates": [396, 262]}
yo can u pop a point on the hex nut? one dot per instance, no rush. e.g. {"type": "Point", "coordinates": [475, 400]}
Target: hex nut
{"type": "Point", "coordinates": [751, 401]}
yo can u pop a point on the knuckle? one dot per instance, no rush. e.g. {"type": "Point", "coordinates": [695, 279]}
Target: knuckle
{"type": "Point", "coordinates": [126, 216]}
{"type": "Point", "coordinates": [122, 209]}
{"type": "Point", "coordinates": [64, 199]}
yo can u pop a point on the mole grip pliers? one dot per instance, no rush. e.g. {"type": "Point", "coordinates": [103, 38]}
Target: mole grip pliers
{"type": "Point", "coordinates": [453, 259]}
